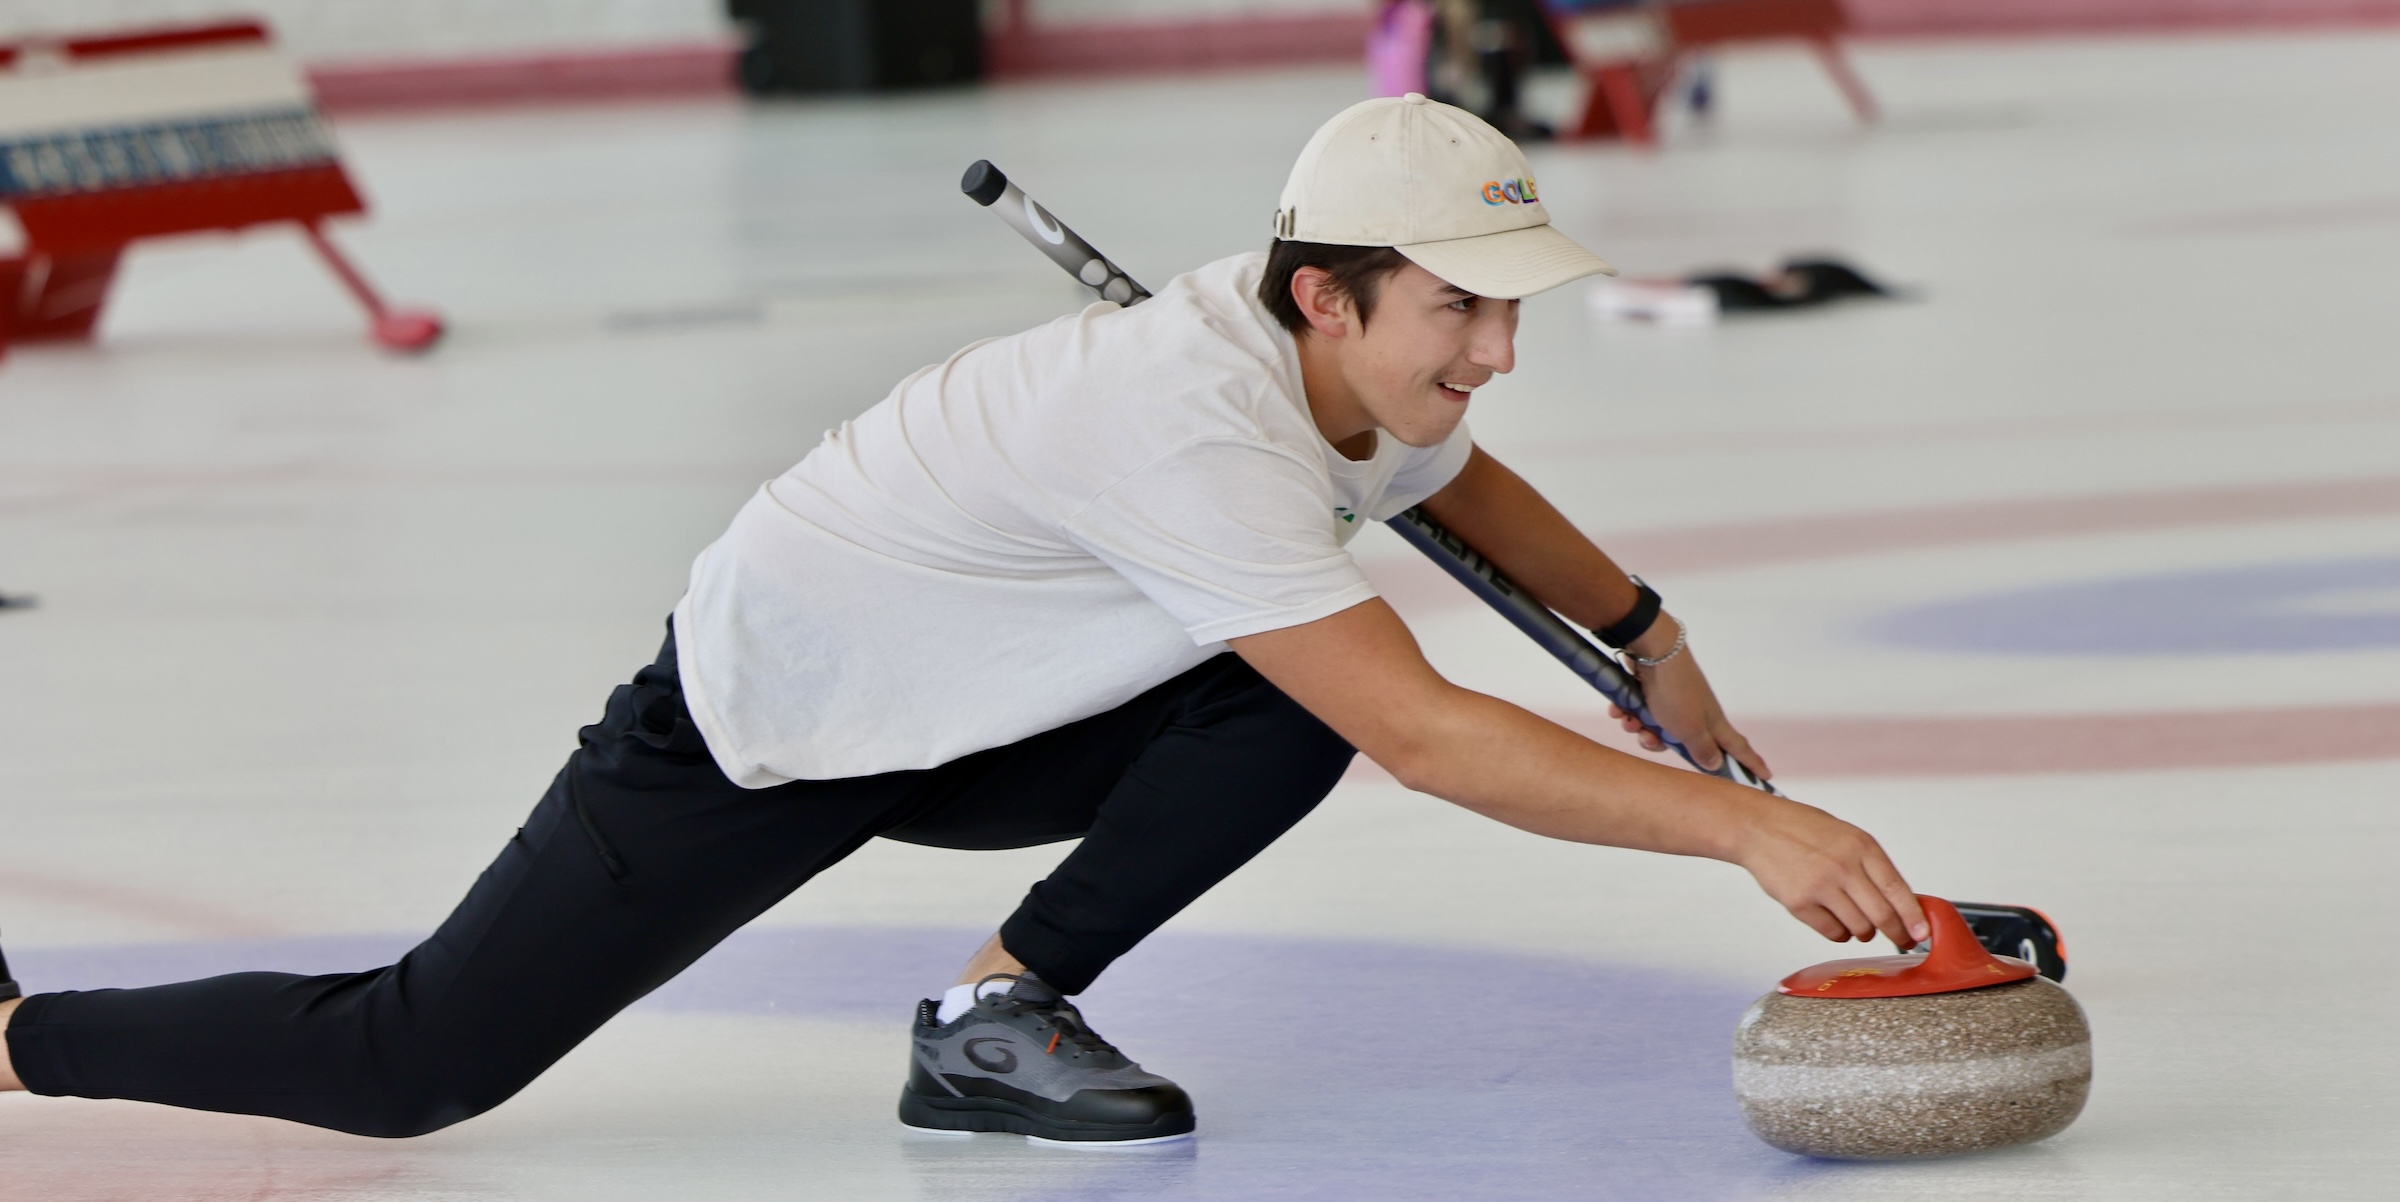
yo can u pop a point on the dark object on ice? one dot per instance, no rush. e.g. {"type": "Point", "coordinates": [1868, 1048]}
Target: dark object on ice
{"type": "Point", "coordinates": [1801, 283]}
{"type": "Point", "coordinates": [1824, 279]}
{"type": "Point", "coordinates": [1738, 292]}
{"type": "Point", "coordinates": [16, 601]}
{"type": "Point", "coordinates": [815, 46]}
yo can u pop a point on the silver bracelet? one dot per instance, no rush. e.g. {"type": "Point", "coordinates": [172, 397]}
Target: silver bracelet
{"type": "Point", "coordinates": [1680, 631]}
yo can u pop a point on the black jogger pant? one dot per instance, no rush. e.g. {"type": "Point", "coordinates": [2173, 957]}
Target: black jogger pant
{"type": "Point", "coordinates": [642, 856]}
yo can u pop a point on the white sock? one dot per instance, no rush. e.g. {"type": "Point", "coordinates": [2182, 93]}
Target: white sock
{"type": "Point", "coordinates": [958, 999]}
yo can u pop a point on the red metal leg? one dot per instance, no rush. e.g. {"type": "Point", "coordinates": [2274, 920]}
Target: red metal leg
{"type": "Point", "coordinates": [12, 289]}
{"type": "Point", "coordinates": [1622, 85]}
{"type": "Point", "coordinates": [1593, 121]}
{"type": "Point", "coordinates": [1854, 89]}
{"type": "Point", "coordinates": [392, 329]}
{"type": "Point", "coordinates": [57, 298]}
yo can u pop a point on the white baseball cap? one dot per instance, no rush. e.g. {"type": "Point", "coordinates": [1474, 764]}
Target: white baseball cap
{"type": "Point", "coordinates": [1439, 185]}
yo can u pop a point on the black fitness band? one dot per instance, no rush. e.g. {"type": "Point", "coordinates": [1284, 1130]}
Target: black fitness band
{"type": "Point", "coordinates": [1637, 621]}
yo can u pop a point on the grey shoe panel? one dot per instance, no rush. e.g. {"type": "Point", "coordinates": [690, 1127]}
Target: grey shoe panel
{"type": "Point", "coordinates": [1030, 1040]}
{"type": "Point", "coordinates": [925, 1072]}
{"type": "Point", "coordinates": [982, 1045]}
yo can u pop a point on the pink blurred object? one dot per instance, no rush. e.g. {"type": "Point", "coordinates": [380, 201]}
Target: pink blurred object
{"type": "Point", "coordinates": [407, 331]}
{"type": "Point", "coordinates": [1397, 46]}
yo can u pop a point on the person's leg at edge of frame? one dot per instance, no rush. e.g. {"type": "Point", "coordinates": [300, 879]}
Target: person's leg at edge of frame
{"type": "Point", "coordinates": [8, 1071]}
{"type": "Point", "coordinates": [1169, 802]}
{"type": "Point", "coordinates": [10, 997]}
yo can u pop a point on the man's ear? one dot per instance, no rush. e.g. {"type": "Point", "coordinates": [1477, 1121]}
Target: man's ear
{"type": "Point", "coordinates": [1329, 310]}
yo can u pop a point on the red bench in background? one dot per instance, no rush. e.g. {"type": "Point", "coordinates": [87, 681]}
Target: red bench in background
{"type": "Point", "coordinates": [108, 139]}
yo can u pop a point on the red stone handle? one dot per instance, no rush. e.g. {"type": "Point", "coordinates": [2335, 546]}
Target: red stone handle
{"type": "Point", "coordinates": [1954, 960]}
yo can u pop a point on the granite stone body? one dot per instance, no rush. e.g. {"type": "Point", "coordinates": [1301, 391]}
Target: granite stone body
{"type": "Point", "coordinates": [1903, 1077]}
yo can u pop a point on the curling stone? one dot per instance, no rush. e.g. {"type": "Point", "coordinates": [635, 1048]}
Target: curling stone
{"type": "Point", "coordinates": [1898, 1057]}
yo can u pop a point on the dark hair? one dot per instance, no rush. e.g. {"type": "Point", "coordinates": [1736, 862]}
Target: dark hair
{"type": "Point", "coordinates": [1357, 273]}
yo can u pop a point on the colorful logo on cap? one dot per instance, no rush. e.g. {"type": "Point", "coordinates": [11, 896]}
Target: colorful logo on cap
{"type": "Point", "coordinates": [1510, 192]}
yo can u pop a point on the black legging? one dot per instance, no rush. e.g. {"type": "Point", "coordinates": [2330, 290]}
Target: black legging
{"type": "Point", "coordinates": [642, 856]}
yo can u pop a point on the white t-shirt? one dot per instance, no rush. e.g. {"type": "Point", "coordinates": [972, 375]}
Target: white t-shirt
{"type": "Point", "coordinates": [1036, 531]}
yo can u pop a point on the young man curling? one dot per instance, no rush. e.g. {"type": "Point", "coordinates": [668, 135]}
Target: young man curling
{"type": "Point", "coordinates": [1084, 582]}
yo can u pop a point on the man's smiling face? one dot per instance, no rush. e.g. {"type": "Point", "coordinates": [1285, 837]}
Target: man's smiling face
{"type": "Point", "coordinates": [1425, 351]}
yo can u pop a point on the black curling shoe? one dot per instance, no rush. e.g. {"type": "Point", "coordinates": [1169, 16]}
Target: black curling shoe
{"type": "Point", "coordinates": [1024, 1061]}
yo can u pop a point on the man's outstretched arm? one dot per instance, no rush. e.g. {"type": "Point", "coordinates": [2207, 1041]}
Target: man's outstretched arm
{"type": "Point", "coordinates": [1501, 516]}
{"type": "Point", "coordinates": [1361, 672]}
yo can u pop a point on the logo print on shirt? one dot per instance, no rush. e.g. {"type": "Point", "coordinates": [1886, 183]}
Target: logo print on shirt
{"type": "Point", "coordinates": [1343, 512]}
{"type": "Point", "coordinates": [1002, 1060]}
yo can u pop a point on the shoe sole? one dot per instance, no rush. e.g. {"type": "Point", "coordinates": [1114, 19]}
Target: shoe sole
{"type": "Point", "coordinates": [1110, 1145]}
{"type": "Point", "coordinates": [1087, 1145]}
{"type": "Point", "coordinates": [966, 1116]}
